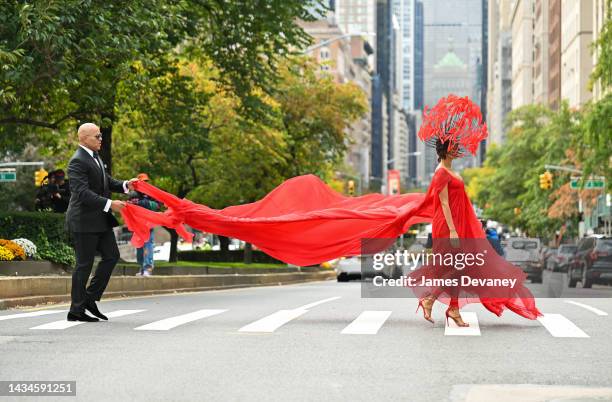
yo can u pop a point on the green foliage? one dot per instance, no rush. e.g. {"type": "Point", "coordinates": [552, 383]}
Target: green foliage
{"type": "Point", "coordinates": [62, 60]}
{"type": "Point", "coordinates": [595, 145]}
{"type": "Point", "coordinates": [315, 114]}
{"type": "Point", "coordinates": [45, 229]}
{"type": "Point", "coordinates": [57, 252]}
{"type": "Point", "coordinates": [537, 137]}
{"type": "Point", "coordinates": [33, 226]}
{"type": "Point", "coordinates": [603, 47]}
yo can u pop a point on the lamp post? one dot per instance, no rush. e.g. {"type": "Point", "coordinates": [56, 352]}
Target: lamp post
{"type": "Point", "coordinates": [335, 38]}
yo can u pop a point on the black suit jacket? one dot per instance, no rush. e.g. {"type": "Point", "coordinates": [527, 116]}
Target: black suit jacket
{"type": "Point", "coordinates": [90, 187]}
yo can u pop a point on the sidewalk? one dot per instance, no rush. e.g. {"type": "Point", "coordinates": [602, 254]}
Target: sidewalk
{"type": "Point", "coordinates": [34, 290]}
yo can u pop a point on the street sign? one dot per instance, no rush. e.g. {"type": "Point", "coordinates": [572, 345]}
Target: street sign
{"type": "Point", "coordinates": [589, 185]}
{"type": "Point", "coordinates": [8, 175]}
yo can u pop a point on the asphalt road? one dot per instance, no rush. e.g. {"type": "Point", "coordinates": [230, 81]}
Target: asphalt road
{"type": "Point", "coordinates": [315, 341]}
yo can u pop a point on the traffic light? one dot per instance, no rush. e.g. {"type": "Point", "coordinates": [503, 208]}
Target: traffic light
{"type": "Point", "coordinates": [546, 180]}
{"type": "Point", "coordinates": [351, 187]}
{"type": "Point", "coordinates": [39, 176]}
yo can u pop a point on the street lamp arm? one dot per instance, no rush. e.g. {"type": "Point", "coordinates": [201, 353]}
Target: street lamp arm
{"type": "Point", "coordinates": [328, 41]}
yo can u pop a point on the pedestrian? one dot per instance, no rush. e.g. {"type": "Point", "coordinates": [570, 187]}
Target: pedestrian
{"type": "Point", "coordinates": [60, 192]}
{"type": "Point", "coordinates": [145, 254]}
{"type": "Point", "coordinates": [90, 223]}
{"type": "Point", "coordinates": [44, 196]}
{"type": "Point", "coordinates": [493, 238]}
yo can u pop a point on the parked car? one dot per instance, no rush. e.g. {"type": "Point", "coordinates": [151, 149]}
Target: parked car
{"type": "Point", "coordinates": [525, 253]}
{"type": "Point", "coordinates": [362, 267]}
{"type": "Point", "coordinates": [559, 261]}
{"type": "Point", "coordinates": [592, 262]}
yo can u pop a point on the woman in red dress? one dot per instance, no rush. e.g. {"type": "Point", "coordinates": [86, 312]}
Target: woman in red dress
{"type": "Point", "coordinates": [454, 126]}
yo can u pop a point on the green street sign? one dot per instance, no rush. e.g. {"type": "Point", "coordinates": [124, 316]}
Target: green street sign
{"type": "Point", "coordinates": [8, 175]}
{"type": "Point", "coordinates": [589, 185]}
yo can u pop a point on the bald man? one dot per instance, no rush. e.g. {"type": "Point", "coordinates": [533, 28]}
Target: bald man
{"type": "Point", "coordinates": [90, 222]}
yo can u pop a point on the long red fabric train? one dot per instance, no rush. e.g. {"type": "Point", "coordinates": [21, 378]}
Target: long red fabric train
{"type": "Point", "coordinates": [304, 222]}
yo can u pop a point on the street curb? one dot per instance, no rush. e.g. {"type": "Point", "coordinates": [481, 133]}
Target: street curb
{"type": "Point", "coordinates": [32, 291]}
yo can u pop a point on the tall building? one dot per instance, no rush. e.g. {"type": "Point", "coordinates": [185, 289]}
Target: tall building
{"type": "Point", "coordinates": [345, 58]}
{"type": "Point", "coordinates": [419, 72]}
{"type": "Point", "coordinates": [483, 71]}
{"type": "Point", "coordinates": [523, 15]}
{"type": "Point", "coordinates": [404, 12]}
{"type": "Point", "coordinates": [415, 116]}
{"type": "Point", "coordinates": [540, 44]}
{"type": "Point", "coordinates": [382, 100]}
{"type": "Point", "coordinates": [357, 17]}
{"type": "Point", "coordinates": [499, 69]}
{"type": "Point", "coordinates": [576, 58]}
{"type": "Point", "coordinates": [453, 59]}
{"type": "Point", "coordinates": [554, 53]}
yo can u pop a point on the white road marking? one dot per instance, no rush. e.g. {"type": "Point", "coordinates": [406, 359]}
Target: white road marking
{"type": "Point", "coordinates": [561, 327]}
{"type": "Point", "coordinates": [63, 324]}
{"type": "Point", "coordinates": [311, 305]}
{"type": "Point", "coordinates": [469, 317]}
{"type": "Point", "coordinates": [274, 321]}
{"type": "Point", "coordinates": [586, 306]}
{"type": "Point", "coordinates": [367, 323]}
{"type": "Point", "coordinates": [172, 322]}
{"type": "Point", "coordinates": [30, 314]}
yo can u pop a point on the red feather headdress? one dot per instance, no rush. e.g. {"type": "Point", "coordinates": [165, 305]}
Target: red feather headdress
{"type": "Point", "coordinates": [454, 119]}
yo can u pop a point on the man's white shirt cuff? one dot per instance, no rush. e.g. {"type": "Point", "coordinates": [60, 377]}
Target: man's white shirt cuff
{"type": "Point", "coordinates": [107, 206]}
{"type": "Point", "coordinates": [125, 187]}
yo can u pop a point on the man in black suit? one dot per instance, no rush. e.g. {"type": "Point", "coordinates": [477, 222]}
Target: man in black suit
{"type": "Point", "coordinates": [90, 222]}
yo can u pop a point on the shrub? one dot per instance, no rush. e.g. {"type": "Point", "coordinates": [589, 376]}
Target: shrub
{"type": "Point", "coordinates": [45, 229]}
{"type": "Point", "coordinates": [33, 226]}
{"type": "Point", "coordinates": [14, 248]}
{"type": "Point", "coordinates": [58, 252]}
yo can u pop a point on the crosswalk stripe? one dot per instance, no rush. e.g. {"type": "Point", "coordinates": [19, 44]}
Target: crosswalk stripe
{"type": "Point", "coordinates": [367, 323]}
{"type": "Point", "coordinates": [172, 322]}
{"type": "Point", "coordinates": [469, 317]}
{"type": "Point", "coordinates": [274, 321]}
{"type": "Point", "coordinates": [561, 327]}
{"type": "Point", "coordinates": [586, 306]}
{"type": "Point", "coordinates": [30, 314]}
{"type": "Point", "coordinates": [314, 304]}
{"type": "Point", "coordinates": [64, 324]}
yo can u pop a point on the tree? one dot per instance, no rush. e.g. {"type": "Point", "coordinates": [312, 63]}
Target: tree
{"type": "Point", "coordinates": [603, 47]}
{"type": "Point", "coordinates": [315, 114]}
{"type": "Point", "coordinates": [595, 143]}
{"type": "Point", "coordinates": [64, 60]}
{"type": "Point", "coordinates": [537, 137]}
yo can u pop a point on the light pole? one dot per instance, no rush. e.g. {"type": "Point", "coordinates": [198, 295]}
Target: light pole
{"type": "Point", "coordinates": [335, 38]}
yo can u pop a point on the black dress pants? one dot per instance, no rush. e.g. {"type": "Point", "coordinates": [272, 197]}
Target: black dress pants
{"type": "Point", "coordinates": [85, 246]}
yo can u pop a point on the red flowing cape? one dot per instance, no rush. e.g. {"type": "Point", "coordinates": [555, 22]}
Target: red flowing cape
{"type": "Point", "coordinates": [302, 221]}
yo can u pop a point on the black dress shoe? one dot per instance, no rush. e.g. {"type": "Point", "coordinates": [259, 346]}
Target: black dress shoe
{"type": "Point", "coordinates": [81, 317]}
{"type": "Point", "coordinates": [93, 309]}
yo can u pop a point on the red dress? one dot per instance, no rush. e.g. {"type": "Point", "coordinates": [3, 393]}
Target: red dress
{"type": "Point", "coordinates": [304, 222]}
{"type": "Point", "coordinates": [472, 239]}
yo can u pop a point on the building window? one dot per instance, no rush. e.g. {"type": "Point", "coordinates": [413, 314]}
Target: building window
{"type": "Point", "coordinates": [324, 53]}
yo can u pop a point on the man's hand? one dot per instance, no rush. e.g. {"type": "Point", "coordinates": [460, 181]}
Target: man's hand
{"type": "Point", "coordinates": [130, 184]}
{"type": "Point", "coordinates": [117, 205]}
